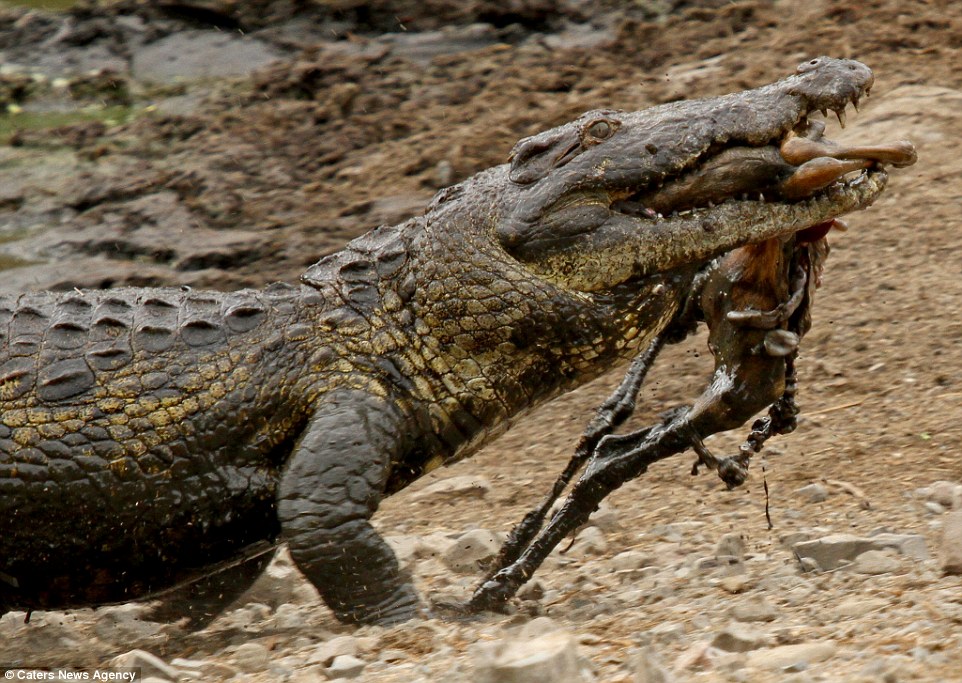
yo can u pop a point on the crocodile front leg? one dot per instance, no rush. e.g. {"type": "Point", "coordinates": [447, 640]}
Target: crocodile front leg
{"type": "Point", "coordinates": [329, 491]}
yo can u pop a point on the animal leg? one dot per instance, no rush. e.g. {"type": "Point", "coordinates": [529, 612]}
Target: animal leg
{"type": "Point", "coordinates": [331, 488]}
{"type": "Point", "coordinates": [617, 408]}
{"type": "Point", "coordinates": [606, 471]}
{"type": "Point", "coordinates": [610, 414]}
{"type": "Point", "coordinates": [203, 600]}
{"type": "Point", "coordinates": [753, 357]}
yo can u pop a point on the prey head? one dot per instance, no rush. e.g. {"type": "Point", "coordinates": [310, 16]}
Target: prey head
{"type": "Point", "coordinates": [617, 194]}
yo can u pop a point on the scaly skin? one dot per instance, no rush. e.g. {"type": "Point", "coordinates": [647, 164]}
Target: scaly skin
{"type": "Point", "coordinates": [151, 436]}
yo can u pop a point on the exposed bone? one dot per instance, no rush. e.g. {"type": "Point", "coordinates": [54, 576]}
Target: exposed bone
{"type": "Point", "coordinates": [818, 173]}
{"type": "Point", "coordinates": [780, 343]}
{"type": "Point", "coordinates": [796, 150]}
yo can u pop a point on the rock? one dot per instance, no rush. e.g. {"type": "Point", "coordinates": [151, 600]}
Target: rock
{"type": "Point", "coordinates": [550, 657]}
{"type": "Point", "coordinates": [667, 632]}
{"type": "Point", "coordinates": [199, 669]}
{"type": "Point", "coordinates": [188, 664]}
{"type": "Point", "coordinates": [431, 546]}
{"type": "Point", "coordinates": [876, 562]}
{"type": "Point", "coordinates": [731, 545]}
{"type": "Point", "coordinates": [422, 46]}
{"type": "Point", "coordinates": [538, 627]}
{"type": "Point", "coordinates": [589, 541]}
{"type": "Point", "coordinates": [813, 493]}
{"type": "Point", "coordinates": [737, 637]}
{"type": "Point", "coordinates": [605, 518]}
{"type": "Point", "coordinates": [910, 545]}
{"type": "Point", "coordinates": [630, 560]}
{"type": "Point", "coordinates": [729, 564]}
{"type": "Point", "coordinates": [797, 656]}
{"type": "Point", "coordinates": [291, 617]}
{"type": "Point", "coordinates": [700, 655]}
{"type": "Point", "coordinates": [251, 657]}
{"type": "Point", "coordinates": [345, 666]}
{"type": "Point", "coordinates": [443, 173]}
{"type": "Point", "coordinates": [149, 665]}
{"type": "Point", "coordinates": [648, 669]}
{"type": "Point", "coordinates": [251, 616]}
{"type": "Point", "coordinates": [792, 537]}
{"type": "Point", "coordinates": [833, 551]}
{"type": "Point", "coordinates": [934, 508]}
{"type": "Point", "coordinates": [122, 624]}
{"type": "Point", "coordinates": [859, 607]}
{"type": "Point", "coordinates": [276, 585]}
{"type": "Point", "coordinates": [738, 583]}
{"type": "Point", "coordinates": [391, 656]}
{"type": "Point", "coordinates": [325, 653]}
{"type": "Point", "coordinates": [472, 551]}
{"type": "Point", "coordinates": [950, 553]}
{"type": "Point", "coordinates": [754, 608]}
{"type": "Point", "coordinates": [193, 55]}
{"type": "Point", "coordinates": [948, 494]}
{"type": "Point", "coordinates": [533, 589]}
{"type": "Point", "coordinates": [464, 486]}
{"type": "Point", "coordinates": [312, 675]}
{"type": "Point", "coordinates": [405, 548]}
{"type": "Point", "coordinates": [674, 532]}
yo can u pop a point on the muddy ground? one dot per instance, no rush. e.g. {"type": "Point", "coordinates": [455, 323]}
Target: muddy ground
{"type": "Point", "coordinates": [140, 148]}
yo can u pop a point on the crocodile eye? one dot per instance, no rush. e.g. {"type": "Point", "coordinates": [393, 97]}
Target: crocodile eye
{"type": "Point", "coordinates": [600, 130]}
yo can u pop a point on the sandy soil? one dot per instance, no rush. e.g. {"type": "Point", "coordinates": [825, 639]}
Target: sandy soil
{"type": "Point", "coordinates": [274, 171]}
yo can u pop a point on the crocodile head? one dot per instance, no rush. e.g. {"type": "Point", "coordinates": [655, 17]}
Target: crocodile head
{"type": "Point", "coordinates": [615, 195]}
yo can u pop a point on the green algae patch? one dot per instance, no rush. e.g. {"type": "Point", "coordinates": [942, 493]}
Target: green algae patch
{"type": "Point", "coordinates": [50, 5]}
{"type": "Point", "coordinates": [14, 121]}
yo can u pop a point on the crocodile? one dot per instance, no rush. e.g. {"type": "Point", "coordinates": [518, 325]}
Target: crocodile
{"type": "Point", "coordinates": [162, 439]}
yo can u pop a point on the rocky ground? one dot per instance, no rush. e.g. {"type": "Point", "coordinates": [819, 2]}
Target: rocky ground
{"type": "Point", "coordinates": [226, 144]}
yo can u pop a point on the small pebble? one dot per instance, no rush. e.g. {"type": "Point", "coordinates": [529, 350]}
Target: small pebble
{"type": "Point", "coordinates": [345, 666]}
{"type": "Point", "coordinates": [813, 493]}
{"type": "Point", "coordinates": [550, 657]}
{"type": "Point", "coordinates": [738, 637]}
{"type": "Point", "coordinates": [754, 608]}
{"type": "Point", "coordinates": [472, 551]}
{"type": "Point", "coordinates": [876, 562]}
{"type": "Point", "coordinates": [950, 553]}
{"type": "Point", "coordinates": [648, 668]}
{"type": "Point", "coordinates": [325, 653]}
{"type": "Point", "coordinates": [798, 657]}
{"type": "Point", "coordinates": [731, 545]}
{"type": "Point", "coordinates": [251, 657]}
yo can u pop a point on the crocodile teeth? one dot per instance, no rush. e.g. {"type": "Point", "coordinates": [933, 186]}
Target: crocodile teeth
{"type": "Point", "coordinates": [840, 113]}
